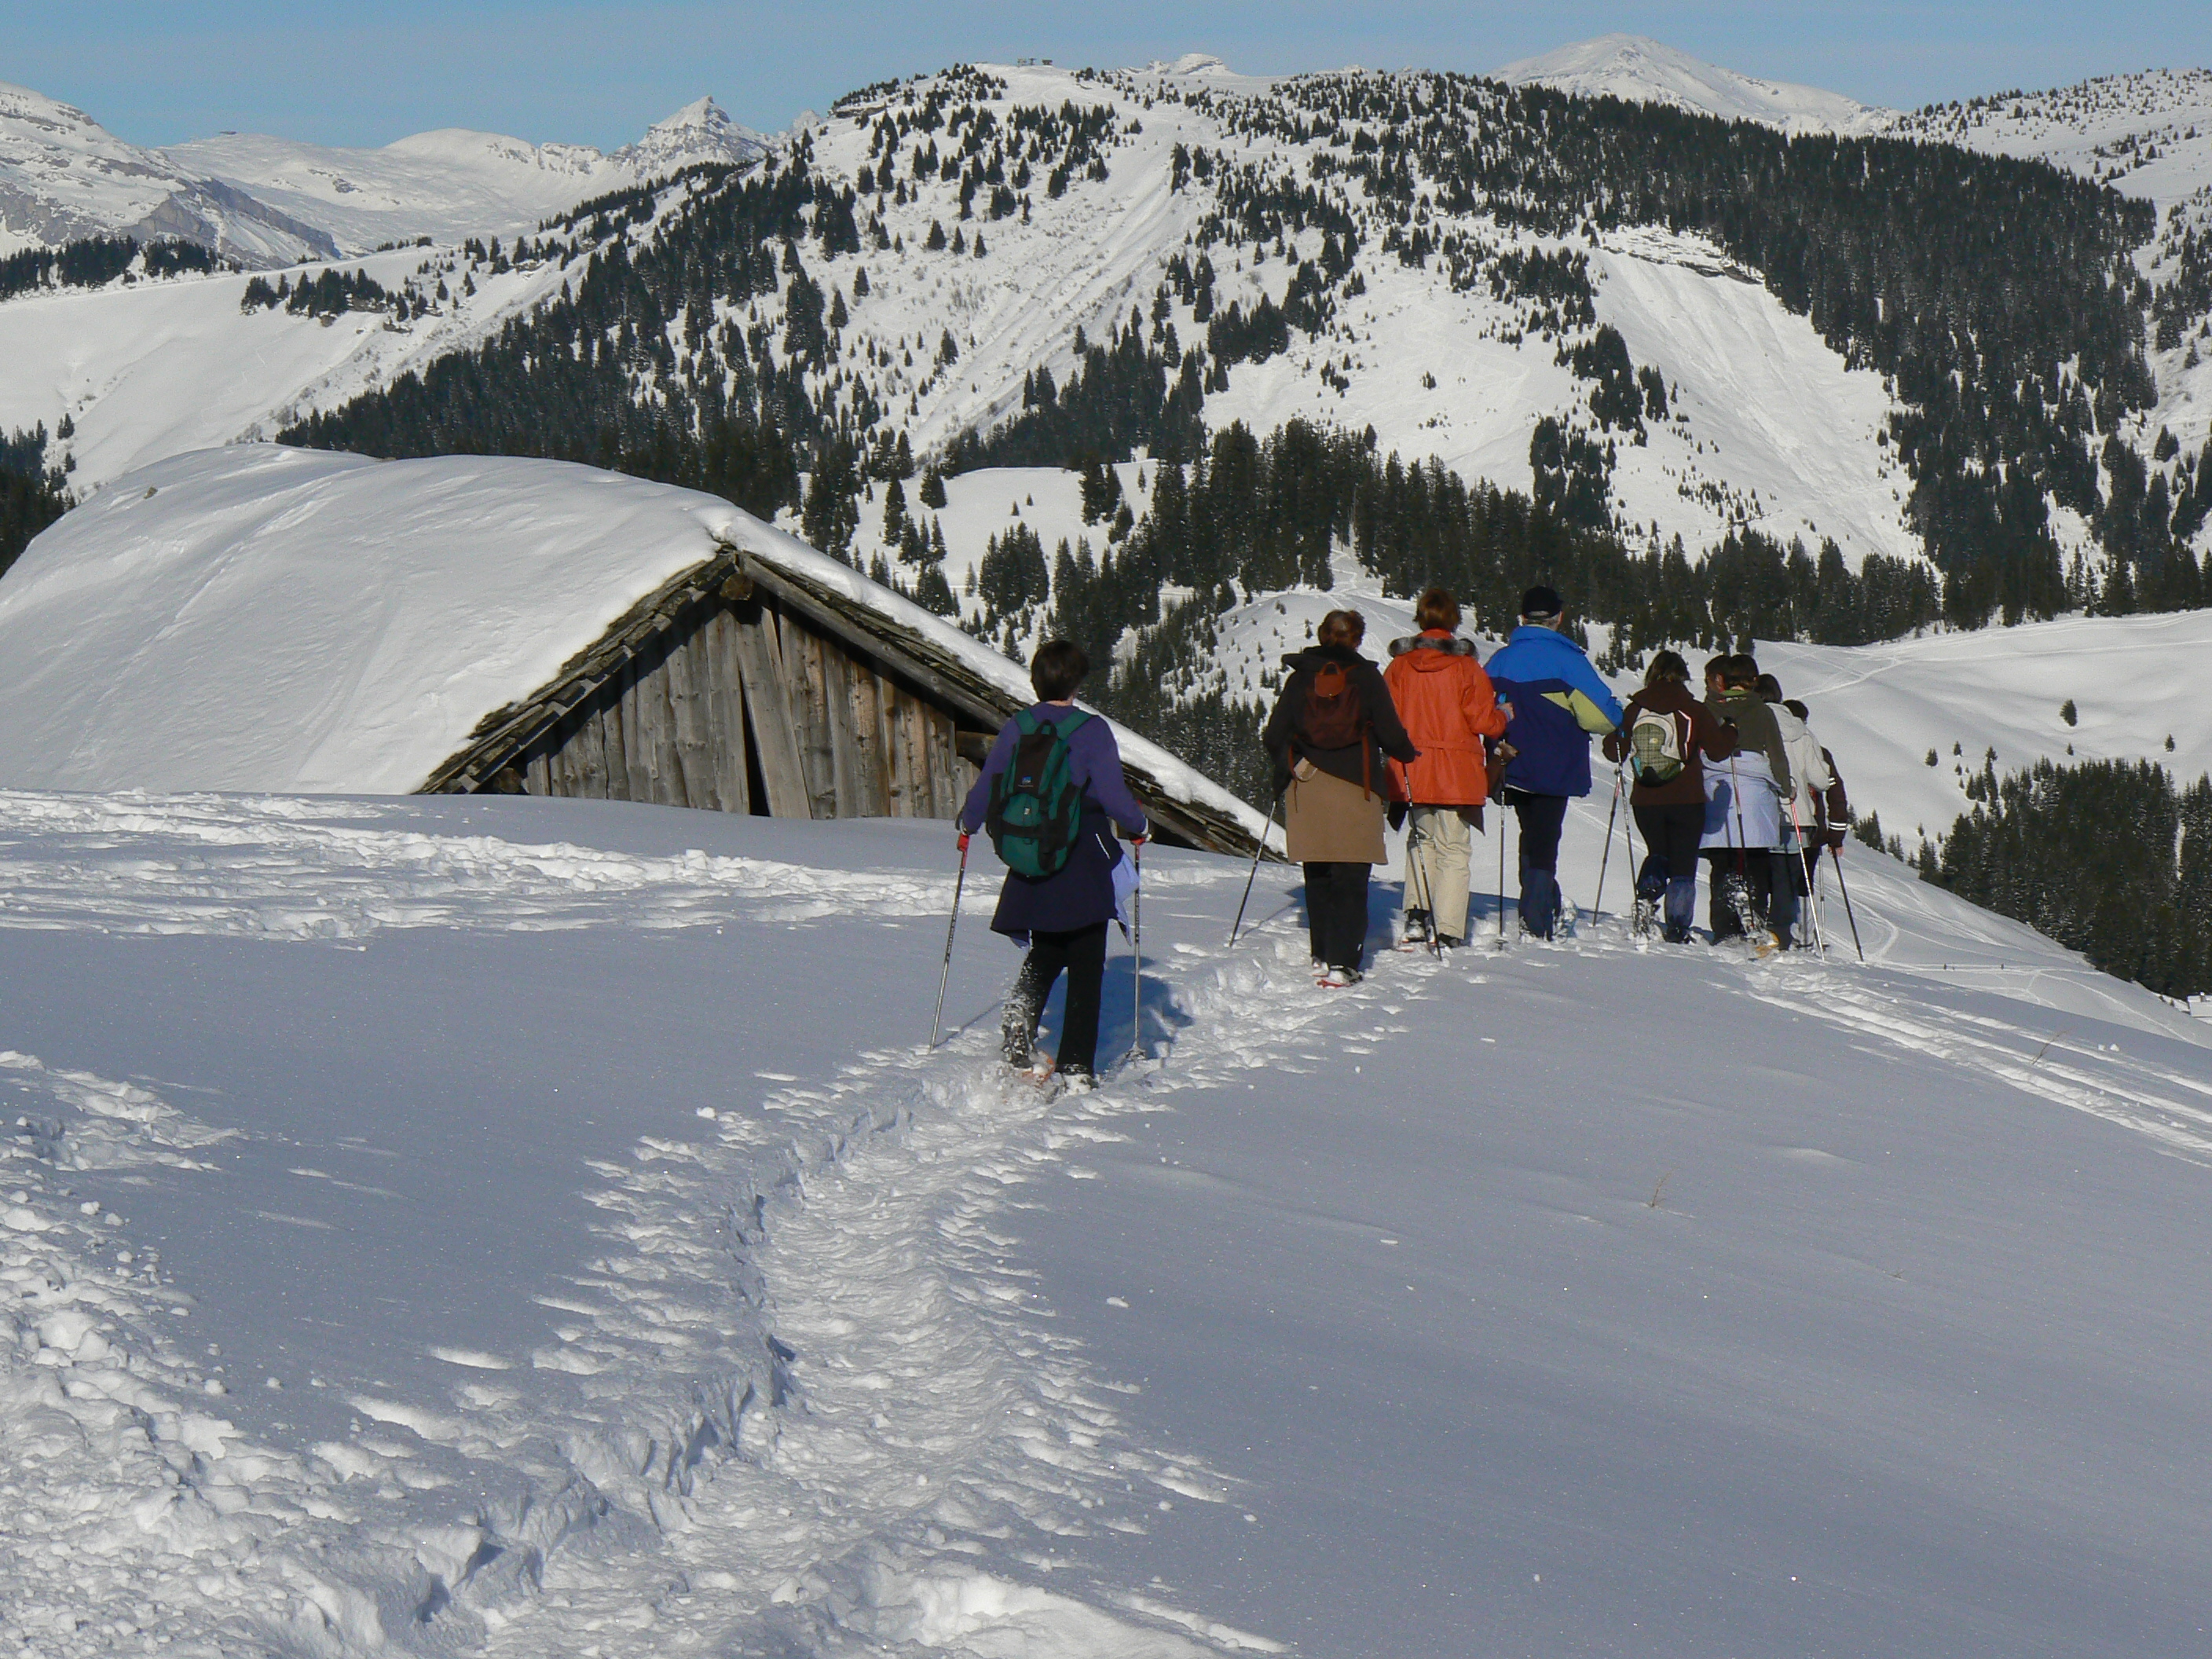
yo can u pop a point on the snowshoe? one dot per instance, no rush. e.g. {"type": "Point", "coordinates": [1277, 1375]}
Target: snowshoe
{"type": "Point", "coordinates": [1338, 979]}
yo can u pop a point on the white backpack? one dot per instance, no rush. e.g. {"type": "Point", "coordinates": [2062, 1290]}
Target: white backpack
{"type": "Point", "coordinates": [1655, 738]}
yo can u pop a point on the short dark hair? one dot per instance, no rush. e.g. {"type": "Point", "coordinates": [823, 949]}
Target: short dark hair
{"type": "Point", "coordinates": [1770, 688]}
{"type": "Point", "coordinates": [1542, 601]}
{"type": "Point", "coordinates": [1666, 666]}
{"type": "Point", "coordinates": [1344, 628]}
{"type": "Point", "coordinates": [1739, 671]}
{"type": "Point", "coordinates": [1057, 669]}
{"type": "Point", "coordinates": [1716, 667]}
{"type": "Point", "coordinates": [1435, 608]}
{"type": "Point", "coordinates": [1798, 708]}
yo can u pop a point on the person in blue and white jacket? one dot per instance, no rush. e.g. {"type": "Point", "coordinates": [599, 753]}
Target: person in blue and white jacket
{"type": "Point", "coordinates": [1558, 704]}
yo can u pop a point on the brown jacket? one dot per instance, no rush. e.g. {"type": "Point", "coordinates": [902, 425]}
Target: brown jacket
{"type": "Point", "coordinates": [1360, 764]}
{"type": "Point", "coordinates": [1703, 737]}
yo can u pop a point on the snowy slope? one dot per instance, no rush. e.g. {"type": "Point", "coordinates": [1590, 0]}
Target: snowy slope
{"type": "Point", "coordinates": [513, 1226]}
{"type": "Point", "coordinates": [2147, 135]}
{"type": "Point", "coordinates": [154, 369]}
{"type": "Point", "coordinates": [1778, 433]}
{"type": "Point", "coordinates": [454, 184]}
{"type": "Point", "coordinates": [64, 176]}
{"type": "Point", "coordinates": [1637, 70]}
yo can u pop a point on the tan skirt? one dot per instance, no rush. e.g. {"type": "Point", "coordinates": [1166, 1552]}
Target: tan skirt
{"type": "Point", "coordinates": [1332, 822]}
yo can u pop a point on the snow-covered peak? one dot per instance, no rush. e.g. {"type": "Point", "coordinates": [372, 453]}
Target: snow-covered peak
{"type": "Point", "coordinates": [701, 132]}
{"type": "Point", "coordinates": [64, 176]}
{"type": "Point", "coordinates": [1643, 71]}
{"type": "Point", "coordinates": [266, 200]}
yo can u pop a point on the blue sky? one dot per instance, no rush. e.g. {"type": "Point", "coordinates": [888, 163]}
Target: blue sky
{"type": "Point", "coordinates": [156, 71]}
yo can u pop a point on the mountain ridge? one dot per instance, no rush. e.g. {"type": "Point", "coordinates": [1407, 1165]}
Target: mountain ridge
{"type": "Point", "coordinates": [1638, 68]}
{"type": "Point", "coordinates": [264, 202]}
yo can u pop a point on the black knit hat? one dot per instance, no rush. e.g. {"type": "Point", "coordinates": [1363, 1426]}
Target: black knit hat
{"type": "Point", "coordinates": [1541, 602]}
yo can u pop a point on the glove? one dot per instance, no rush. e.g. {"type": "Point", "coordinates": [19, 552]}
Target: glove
{"type": "Point", "coordinates": [1396, 815]}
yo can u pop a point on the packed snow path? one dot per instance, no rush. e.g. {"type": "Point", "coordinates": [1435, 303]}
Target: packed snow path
{"type": "Point", "coordinates": [501, 1226]}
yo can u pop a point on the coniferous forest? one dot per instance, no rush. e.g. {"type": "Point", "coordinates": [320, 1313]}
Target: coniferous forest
{"type": "Point", "coordinates": [2109, 857]}
{"type": "Point", "coordinates": [32, 494]}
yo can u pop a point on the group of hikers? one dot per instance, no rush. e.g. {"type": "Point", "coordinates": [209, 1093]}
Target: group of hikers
{"type": "Point", "coordinates": [1425, 743]}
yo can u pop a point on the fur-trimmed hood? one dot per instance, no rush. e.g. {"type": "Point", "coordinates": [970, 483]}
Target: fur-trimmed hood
{"type": "Point", "coordinates": [1435, 640]}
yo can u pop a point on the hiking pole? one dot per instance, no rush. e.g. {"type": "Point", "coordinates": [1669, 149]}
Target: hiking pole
{"type": "Point", "coordinates": [937, 1021]}
{"type": "Point", "coordinates": [1137, 952]}
{"type": "Point", "coordinates": [1837, 854]}
{"type": "Point", "coordinates": [1415, 837]}
{"type": "Point", "coordinates": [1501, 872]}
{"type": "Point", "coordinates": [1597, 904]}
{"type": "Point", "coordinates": [1628, 852]}
{"type": "Point", "coordinates": [1811, 898]}
{"type": "Point", "coordinates": [1237, 925]}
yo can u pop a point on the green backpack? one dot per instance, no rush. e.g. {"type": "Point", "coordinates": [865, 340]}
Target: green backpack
{"type": "Point", "coordinates": [1036, 805]}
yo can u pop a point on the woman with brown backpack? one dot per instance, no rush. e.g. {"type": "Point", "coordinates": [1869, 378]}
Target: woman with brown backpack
{"type": "Point", "coordinates": [1332, 729]}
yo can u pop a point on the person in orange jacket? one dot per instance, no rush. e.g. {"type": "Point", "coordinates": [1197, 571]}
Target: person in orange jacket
{"type": "Point", "coordinates": [1447, 707]}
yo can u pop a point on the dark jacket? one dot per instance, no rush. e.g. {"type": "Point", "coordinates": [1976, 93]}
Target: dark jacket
{"type": "Point", "coordinates": [1558, 704]}
{"type": "Point", "coordinates": [1386, 733]}
{"type": "Point", "coordinates": [1756, 729]}
{"type": "Point", "coordinates": [1835, 805]}
{"type": "Point", "coordinates": [1081, 893]}
{"type": "Point", "coordinates": [1701, 735]}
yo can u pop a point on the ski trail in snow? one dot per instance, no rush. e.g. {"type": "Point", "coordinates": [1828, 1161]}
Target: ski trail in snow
{"type": "Point", "coordinates": [797, 1396]}
{"type": "Point", "coordinates": [131, 1513]}
{"type": "Point", "coordinates": [279, 868]}
{"type": "Point", "coordinates": [910, 1400]}
{"type": "Point", "coordinates": [2171, 1109]}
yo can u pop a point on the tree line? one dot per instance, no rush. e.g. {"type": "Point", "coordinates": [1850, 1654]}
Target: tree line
{"type": "Point", "coordinates": [2111, 858]}
{"type": "Point", "coordinates": [33, 495]}
{"type": "Point", "coordinates": [95, 261]}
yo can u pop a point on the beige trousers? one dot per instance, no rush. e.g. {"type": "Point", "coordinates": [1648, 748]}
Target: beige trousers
{"type": "Point", "coordinates": [1437, 843]}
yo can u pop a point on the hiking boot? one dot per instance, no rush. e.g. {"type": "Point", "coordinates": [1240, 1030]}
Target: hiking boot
{"type": "Point", "coordinates": [1449, 942]}
{"type": "Point", "coordinates": [1337, 979]}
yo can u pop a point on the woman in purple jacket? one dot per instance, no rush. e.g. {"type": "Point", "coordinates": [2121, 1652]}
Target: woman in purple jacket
{"type": "Point", "coordinates": [1062, 917]}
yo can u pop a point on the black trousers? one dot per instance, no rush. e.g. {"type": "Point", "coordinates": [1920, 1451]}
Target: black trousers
{"type": "Point", "coordinates": [1336, 912]}
{"type": "Point", "coordinates": [1743, 887]}
{"type": "Point", "coordinates": [1670, 834]}
{"type": "Point", "coordinates": [1081, 953]}
{"type": "Point", "coordinates": [1541, 818]}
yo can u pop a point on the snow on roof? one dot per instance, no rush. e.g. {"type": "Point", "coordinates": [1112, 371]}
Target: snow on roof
{"type": "Point", "coordinates": [259, 618]}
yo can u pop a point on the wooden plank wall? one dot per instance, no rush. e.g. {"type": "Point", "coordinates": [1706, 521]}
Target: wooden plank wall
{"type": "Point", "coordinates": [739, 709]}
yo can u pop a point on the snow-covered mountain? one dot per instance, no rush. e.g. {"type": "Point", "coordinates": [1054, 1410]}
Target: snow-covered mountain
{"type": "Point", "coordinates": [64, 176]}
{"type": "Point", "coordinates": [454, 184]}
{"type": "Point", "coordinates": [265, 201]}
{"type": "Point", "coordinates": [1639, 69]}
